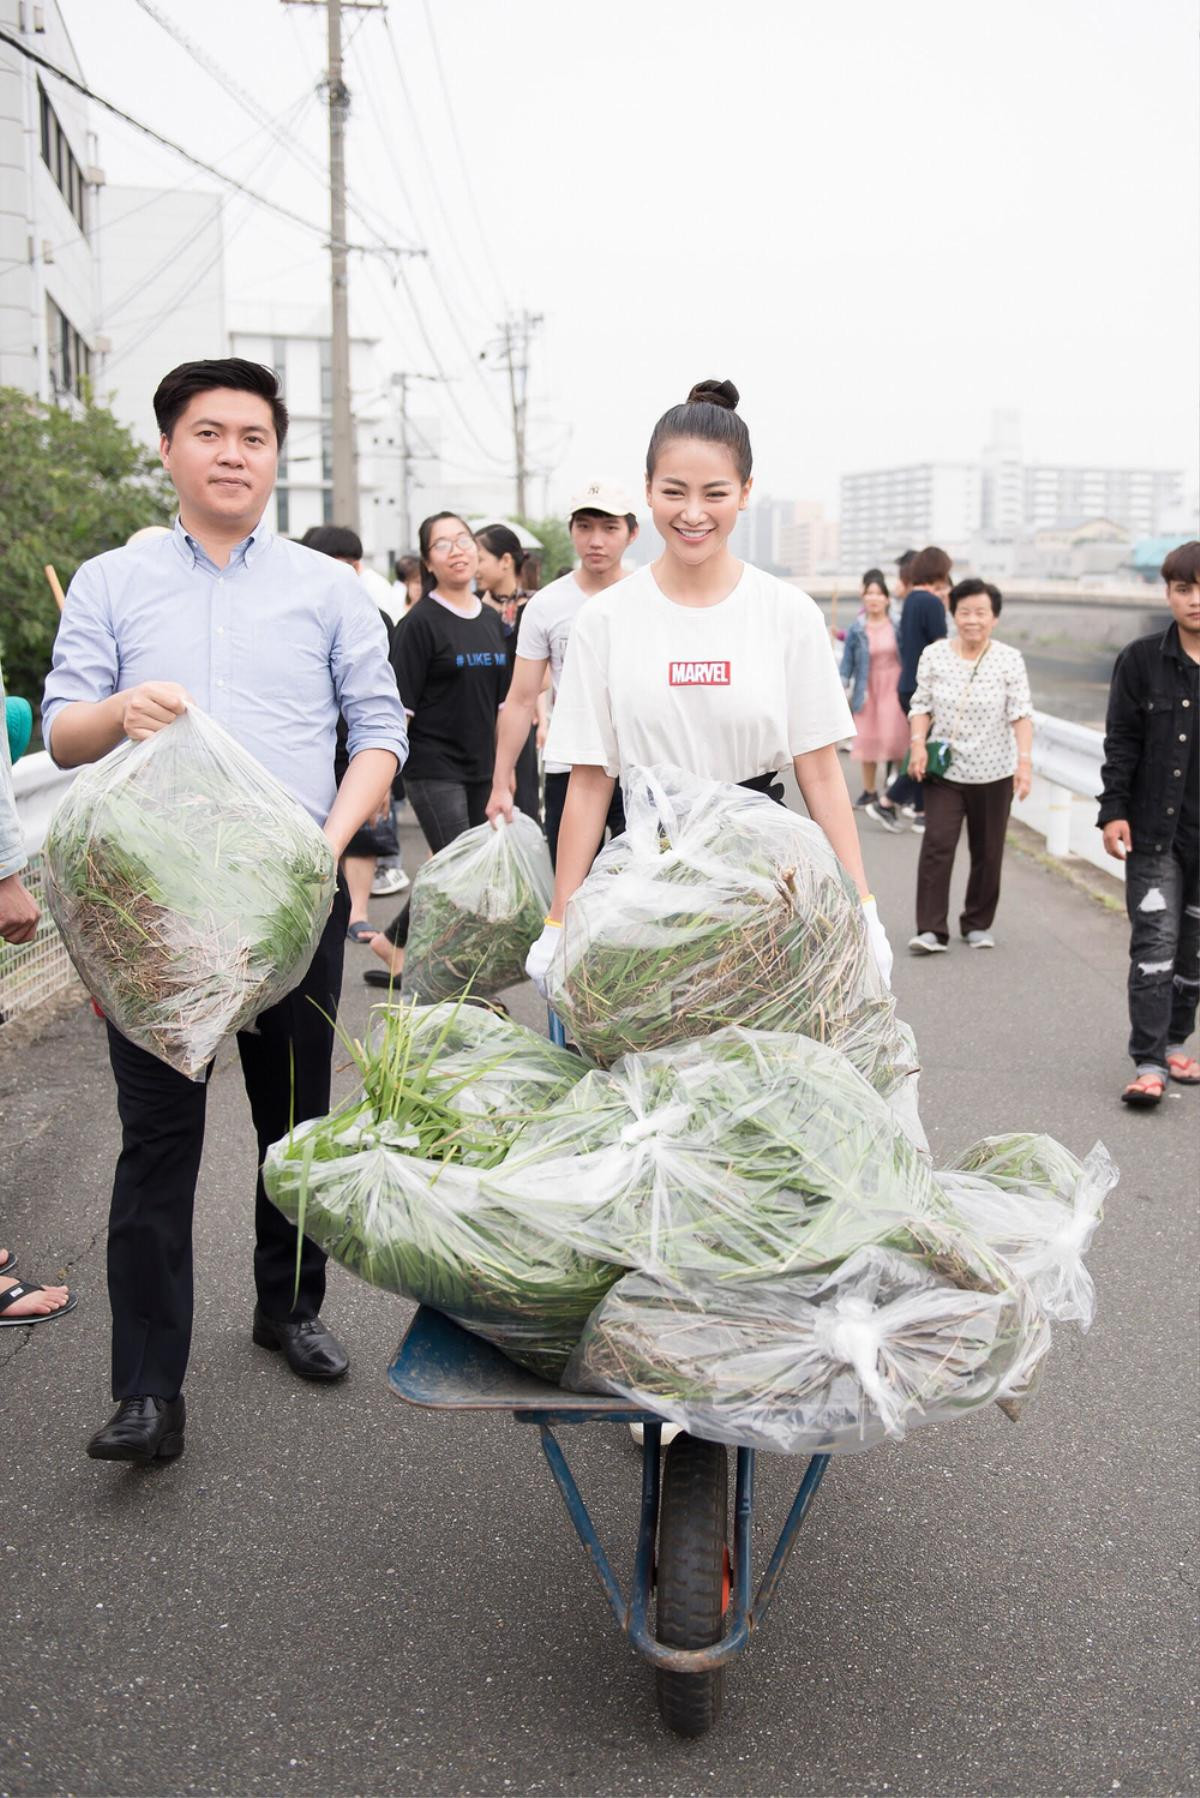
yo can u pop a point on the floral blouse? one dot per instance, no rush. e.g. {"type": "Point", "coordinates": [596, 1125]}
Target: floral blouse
{"type": "Point", "coordinates": [978, 721]}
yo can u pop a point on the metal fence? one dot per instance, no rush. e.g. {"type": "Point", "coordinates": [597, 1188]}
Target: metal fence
{"type": "Point", "coordinates": [33, 972]}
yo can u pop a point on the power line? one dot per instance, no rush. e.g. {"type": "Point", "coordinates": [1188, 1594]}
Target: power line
{"type": "Point", "coordinates": [80, 87]}
{"type": "Point", "coordinates": [254, 107]}
{"type": "Point", "coordinates": [466, 173]}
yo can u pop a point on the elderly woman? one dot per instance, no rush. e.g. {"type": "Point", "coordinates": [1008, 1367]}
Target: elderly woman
{"type": "Point", "coordinates": [972, 695]}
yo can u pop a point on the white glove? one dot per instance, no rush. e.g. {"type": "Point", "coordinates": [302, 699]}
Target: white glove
{"type": "Point", "coordinates": [881, 949]}
{"type": "Point", "coordinates": [537, 962]}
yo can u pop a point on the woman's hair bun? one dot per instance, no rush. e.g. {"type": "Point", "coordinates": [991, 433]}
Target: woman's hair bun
{"type": "Point", "coordinates": [715, 393]}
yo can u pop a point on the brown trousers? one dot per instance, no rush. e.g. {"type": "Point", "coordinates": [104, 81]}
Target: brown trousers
{"type": "Point", "coordinates": [985, 805]}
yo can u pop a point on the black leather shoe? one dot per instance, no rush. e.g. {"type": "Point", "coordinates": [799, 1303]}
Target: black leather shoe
{"type": "Point", "coordinates": [141, 1429]}
{"type": "Point", "coordinates": [309, 1349]}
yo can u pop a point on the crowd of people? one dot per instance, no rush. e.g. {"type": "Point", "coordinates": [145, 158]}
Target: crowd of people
{"type": "Point", "coordinates": [466, 689]}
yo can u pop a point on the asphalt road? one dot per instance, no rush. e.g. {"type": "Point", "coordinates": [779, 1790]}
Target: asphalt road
{"type": "Point", "coordinates": [333, 1593]}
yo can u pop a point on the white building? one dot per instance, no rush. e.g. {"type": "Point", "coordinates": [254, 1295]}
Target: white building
{"type": "Point", "coordinates": [1002, 499]}
{"type": "Point", "coordinates": [295, 342]}
{"type": "Point", "coordinates": [160, 260]}
{"type": "Point", "coordinates": [887, 510]}
{"type": "Point", "coordinates": [48, 182]}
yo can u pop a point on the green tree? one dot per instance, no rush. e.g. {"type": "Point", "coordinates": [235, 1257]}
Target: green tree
{"type": "Point", "coordinates": [558, 552]}
{"type": "Point", "coordinates": [72, 484]}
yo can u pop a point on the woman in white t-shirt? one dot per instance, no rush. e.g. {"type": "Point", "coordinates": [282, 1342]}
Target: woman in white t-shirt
{"type": "Point", "coordinates": [699, 660]}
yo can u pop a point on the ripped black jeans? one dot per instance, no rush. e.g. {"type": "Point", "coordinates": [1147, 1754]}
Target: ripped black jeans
{"type": "Point", "coordinates": [1162, 897]}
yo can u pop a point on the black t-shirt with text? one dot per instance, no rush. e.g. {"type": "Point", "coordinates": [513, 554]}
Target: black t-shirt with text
{"type": "Point", "coordinates": [453, 674]}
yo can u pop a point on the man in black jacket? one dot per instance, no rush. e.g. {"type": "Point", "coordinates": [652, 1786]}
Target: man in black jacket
{"type": "Point", "coordinates": [1150, 816]}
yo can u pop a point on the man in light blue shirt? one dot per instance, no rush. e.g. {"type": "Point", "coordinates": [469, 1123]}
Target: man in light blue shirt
{"type": "Point", "coordinates": [273, 641]}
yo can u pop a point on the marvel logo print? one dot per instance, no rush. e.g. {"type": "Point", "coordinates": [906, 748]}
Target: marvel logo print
{"type": "Point", "coordinates": [699, 674]}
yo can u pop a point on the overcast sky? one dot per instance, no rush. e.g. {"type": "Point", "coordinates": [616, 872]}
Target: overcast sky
{"type": "Point", "coordinates": [882, 221]}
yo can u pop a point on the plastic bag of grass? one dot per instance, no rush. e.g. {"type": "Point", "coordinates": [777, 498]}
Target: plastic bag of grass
{"type": "Point", "coordinates": [190, 888]}
{"type": "Point", "coordinates": [476, 908]}
{"type": "Point", "coordinates": [812, 1363]}
{"type": "Point", "coordinates": [493, 1075]}
{"type": "Point", "coordinates": [742, 1154]}
{"type": "Point", "coordinates": [395, 1183]}
{"type": "Point", "coordinates": [1029, 1200]}
{"type": "Point", "coordinates": [718, 907]}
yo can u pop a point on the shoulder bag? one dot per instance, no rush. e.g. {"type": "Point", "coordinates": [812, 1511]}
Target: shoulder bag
{"type": "Point", "coordinates": [940, 750]}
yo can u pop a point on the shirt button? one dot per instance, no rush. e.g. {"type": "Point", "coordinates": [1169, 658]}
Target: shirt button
{"type": "Point", "coordinates": [1170, 811]}
{"type": "Point", "coordinates": [1183, 736]}
{"type": "Point", "coordinates": [1187, 702]}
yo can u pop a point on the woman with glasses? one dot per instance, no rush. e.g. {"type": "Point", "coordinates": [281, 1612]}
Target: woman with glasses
{"type": "Point", "coordinates": [452, 668]}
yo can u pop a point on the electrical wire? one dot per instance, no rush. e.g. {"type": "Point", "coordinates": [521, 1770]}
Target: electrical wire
{"type": "Point", "coordinates": [254, 107]}
{"type": "Point", "coordinates": [466, 173]}
{"type": "Point", "coordinates": [471, 357]}
{"type": "Point", "coordinates": [80, 87]}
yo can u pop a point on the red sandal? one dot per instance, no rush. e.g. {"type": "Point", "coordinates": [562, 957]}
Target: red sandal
{"type": "Point", "coordinates": [1185, 1069]}
{"type": "Point", "coordinates": [1145, 1091]}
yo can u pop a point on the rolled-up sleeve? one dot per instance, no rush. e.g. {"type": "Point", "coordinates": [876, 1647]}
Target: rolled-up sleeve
{"type": "Point", "coordinates": [1019, 700]}
{"type": "Point", "coordinates": [12, 842]}
{"type": "Point", "coordinates": [86, 665]}
{"type": "Point", "coordinates": [363, 678]}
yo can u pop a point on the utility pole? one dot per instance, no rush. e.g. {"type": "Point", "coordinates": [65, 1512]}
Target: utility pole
{"type": "Point", "coordinates": [512, 348]}
{"type": "Point", "coordinates": [400, 381]}
{"type": "Point", "coordinates": [345, 471]}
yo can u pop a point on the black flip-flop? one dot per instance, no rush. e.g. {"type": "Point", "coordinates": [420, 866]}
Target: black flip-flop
{"type": "Point", "coordinates": [7, 1267]}
{"type": "Point", "coordinates": [360, 932]}
{"type": "Point", "coordinates": [19, 1291]}
{"type": "Point", "coordinates": [381, 977]}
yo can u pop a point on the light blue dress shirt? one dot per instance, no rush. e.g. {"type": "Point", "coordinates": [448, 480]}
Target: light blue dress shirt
{"type": "Point", "coordinates": [272, 646]}
{"type": "Point", "coordinates": [12, 837]}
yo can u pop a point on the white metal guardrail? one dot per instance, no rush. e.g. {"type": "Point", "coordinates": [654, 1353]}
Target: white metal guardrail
{"type": "Point", "coordinates": [34, 972]}
{"type": "Point", "coordinates": [1066, 779]}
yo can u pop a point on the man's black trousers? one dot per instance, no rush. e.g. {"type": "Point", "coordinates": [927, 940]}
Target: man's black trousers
{"type": "Point", "coordinates": [162, 1135]}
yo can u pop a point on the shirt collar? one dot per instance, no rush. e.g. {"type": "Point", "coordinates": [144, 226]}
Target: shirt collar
{"type": "Point", "coordinates": [248, 550]}
{"type": "Point", "coordinates": [1171, 646]}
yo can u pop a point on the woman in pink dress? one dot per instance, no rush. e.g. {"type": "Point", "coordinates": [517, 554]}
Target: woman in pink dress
{"type": "Point", "coordinates": [871, 671]}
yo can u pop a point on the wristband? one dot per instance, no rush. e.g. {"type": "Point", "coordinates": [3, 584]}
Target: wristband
{"type": "Point", "coordinates": [557, 922]}
{"type": "Point", "coordinates": [1024, 758]}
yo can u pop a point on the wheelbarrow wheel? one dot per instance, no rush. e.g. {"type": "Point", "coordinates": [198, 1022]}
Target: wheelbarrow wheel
{"type": "Point", "coordinates": [691, 1575]}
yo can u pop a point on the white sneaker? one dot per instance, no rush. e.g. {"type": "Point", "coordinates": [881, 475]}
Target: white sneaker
{"type": "Point", "coordinates": [979, 939]}
{"type": "Point", "coordinates": [669, 1433]}
{"type": "Point", "coordinates": [388, 880]}
{"type": "Point", "coordinates": [927, 944]}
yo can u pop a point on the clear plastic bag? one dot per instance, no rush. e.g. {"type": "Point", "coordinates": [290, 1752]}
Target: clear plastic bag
{"type": "Point", "coordinates": [742, 1154]}
{"type": "Point", "coordinates": [1030, 1201]}
{"type": "Point", "coordinates": [476, 907]}
{"type": "Point", "coordinates": [811, 1363]}
{"type": "Point", "coordinates": [494, 1077]}
{"type": "Point", "coordinates": [190, 888]}
{"type": "Point", "coordinates": [719, 907]}
{"type": "Point", "coordinates": [437, 1233]}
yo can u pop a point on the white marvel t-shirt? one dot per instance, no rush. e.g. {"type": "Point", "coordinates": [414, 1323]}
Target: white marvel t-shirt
{"type": "Point", "coordinates": [728, 691]}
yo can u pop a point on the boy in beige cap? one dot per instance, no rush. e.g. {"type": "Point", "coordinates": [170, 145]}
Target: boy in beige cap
{"type": "Point", "coordinates": [603, 525]}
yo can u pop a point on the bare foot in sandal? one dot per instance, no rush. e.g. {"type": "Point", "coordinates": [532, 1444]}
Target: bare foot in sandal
{"type": "Point", "coordinates": [1184, 1068]}
{"type": "Point", "coordinates": [390, 955]}
{"type": "Point", "coordinates": [22, 1301]}
{"type": "Point", "coordinates": [1145, 1091]}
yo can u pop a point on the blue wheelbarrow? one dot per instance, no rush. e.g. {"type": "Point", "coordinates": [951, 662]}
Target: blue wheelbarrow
{"type": "Point", "coordinates": [699, 1586]}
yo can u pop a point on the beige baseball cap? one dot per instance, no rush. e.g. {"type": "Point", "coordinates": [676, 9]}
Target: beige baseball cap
{"type": "Point", "coordinates": [602, 496]}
